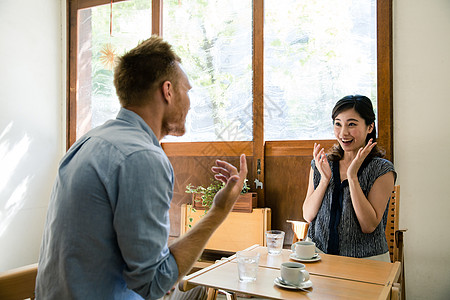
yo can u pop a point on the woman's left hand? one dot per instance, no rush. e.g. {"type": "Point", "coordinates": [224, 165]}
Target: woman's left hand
{"type": "Point", "coordinates": [352, 171]}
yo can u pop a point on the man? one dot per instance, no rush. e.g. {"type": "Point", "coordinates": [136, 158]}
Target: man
{"type": "Point", "coordinates": [108, 224]}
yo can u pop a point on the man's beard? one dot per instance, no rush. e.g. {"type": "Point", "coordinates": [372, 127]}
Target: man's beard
{"type": "Point", "coordinates": [174, 127]}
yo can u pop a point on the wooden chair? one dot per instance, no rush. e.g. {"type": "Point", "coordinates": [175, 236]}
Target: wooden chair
{"type": "Point", "coordinates": [394, 235]}
{"type": "Point", "coordinates": [19, 283]}
{"type": "Point", "coordinates": [396, 291]}
{"type": "Point", "coordinates": [300, 229]}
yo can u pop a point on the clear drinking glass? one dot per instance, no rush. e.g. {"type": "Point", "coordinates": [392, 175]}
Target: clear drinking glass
{"type": "Point", "coordinates": [247, 262]}
{"type": "Point", "coordinates": [275, 239]}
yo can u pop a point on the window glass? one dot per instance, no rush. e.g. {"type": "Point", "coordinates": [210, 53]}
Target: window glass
{"type": "Point", "coordinates": [97, 48]}
{"type": "Point", "coordinates": [315, 52]}
{"type": "Point", "coordinates": [214, 41]}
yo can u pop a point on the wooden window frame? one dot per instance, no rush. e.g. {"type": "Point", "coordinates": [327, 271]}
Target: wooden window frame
{"type": "Point", "coordinates": [258, 148]}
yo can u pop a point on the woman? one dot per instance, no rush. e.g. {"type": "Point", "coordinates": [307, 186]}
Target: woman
{"type": "Point", "coordinates": [349, 189]}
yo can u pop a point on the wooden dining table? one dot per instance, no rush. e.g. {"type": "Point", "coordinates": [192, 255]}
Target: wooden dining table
{"type": "Point", "coordinates": [332, 277]}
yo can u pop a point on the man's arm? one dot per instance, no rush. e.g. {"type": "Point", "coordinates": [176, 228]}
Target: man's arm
{"type": "Point", "coordinates": [188, 248]}
{"type": "Point", "coordinates": [140, 190]}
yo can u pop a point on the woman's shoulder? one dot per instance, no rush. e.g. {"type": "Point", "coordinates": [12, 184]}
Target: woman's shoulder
{"type": "Point", "coordinates": [379, 166]}
{"type": "Point", "coordinates": [378, 161]}
{"type": "Point", "coordinates": [382, 161]}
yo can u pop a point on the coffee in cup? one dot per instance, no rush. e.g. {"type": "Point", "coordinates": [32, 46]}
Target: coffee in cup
{"type": "Point", "coordinates": [294, 273]}
{"type": "Point", "coordinates": [304, 249]}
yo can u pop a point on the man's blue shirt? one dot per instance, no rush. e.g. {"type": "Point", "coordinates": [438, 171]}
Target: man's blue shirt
{"type": "Point", "coordinates": [108, 219]}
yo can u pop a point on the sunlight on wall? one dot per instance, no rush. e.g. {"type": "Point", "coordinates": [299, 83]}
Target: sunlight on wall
{"type": "Point", "coordinates": [13, 205]}
{"type": "Point", "coordinates": [11, 154]}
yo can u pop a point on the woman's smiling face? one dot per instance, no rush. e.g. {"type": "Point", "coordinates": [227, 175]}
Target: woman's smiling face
{"type": "Point", "coordinates": [351, 130]}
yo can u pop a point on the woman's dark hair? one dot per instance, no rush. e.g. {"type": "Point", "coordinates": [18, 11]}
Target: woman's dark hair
{"type": "Point", "coordinates": [363, 106]}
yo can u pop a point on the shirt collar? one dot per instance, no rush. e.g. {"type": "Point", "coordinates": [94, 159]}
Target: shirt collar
{"type": "Point", "coordinates": [133, 118]}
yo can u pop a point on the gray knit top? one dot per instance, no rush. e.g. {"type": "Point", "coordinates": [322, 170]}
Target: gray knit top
{"type": "Point", "coordinates": [352, 241]}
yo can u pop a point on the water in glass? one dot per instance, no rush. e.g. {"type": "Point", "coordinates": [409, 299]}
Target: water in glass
{"type": "Point", "coordinates": [275, 239]}
{"type": "Point", "coordinates": [247, 265]}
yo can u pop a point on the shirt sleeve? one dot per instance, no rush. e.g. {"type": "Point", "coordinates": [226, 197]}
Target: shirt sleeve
{"type": "Point", "coordinates": [141, 221]}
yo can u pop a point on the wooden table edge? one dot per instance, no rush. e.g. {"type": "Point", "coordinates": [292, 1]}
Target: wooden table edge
{"type": "Point", "coordinates": [393, 277]}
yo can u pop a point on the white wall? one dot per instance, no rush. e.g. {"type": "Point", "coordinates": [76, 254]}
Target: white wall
{"type": "Point", "coordinates": [422, 141]}
{"type": "Point", "coordinates": [31, 135]}
{"type": "Point", "coordinates": [32, 129]}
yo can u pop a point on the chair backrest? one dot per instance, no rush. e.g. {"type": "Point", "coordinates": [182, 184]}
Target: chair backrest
{"type": "Point", "coordinates": [224, 238]}
{"type": "Point", "coordinates": [392, 222]}
{"type": "Point", "coordinates": [18, 283]}
{"type": "Point", "coordinates": [300, 229]}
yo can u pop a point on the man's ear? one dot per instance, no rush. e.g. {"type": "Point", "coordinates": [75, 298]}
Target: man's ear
{"type": "Point", "coordinates": [167, 90]}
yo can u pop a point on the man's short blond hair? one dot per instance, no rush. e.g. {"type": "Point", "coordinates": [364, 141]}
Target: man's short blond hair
{"type": "Point", "coordinates": [143, 69]}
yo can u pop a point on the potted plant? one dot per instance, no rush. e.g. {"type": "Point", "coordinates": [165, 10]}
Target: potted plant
{"type": "Point", "coordinates": [202, 197]}
{"type": "Point", "coordinates": [256, 220]}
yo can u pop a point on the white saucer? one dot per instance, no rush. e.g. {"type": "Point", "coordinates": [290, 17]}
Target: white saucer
{"type": "Point", "coordinates": [304, 285]}
{"type": "Point", "coordinates": [316, 257]}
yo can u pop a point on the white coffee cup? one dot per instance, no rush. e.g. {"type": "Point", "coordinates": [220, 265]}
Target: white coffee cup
{"type": "Point", "coordinates": [294, 273]}
{"type": "Point", "coordinates": [304, 249]}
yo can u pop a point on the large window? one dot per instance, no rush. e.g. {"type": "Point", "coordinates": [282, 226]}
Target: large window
{"type": "Point", "coordinates": [261, 70]}
{"type": "Point", "coordinates": [104, 32]}
{"type": "Point", "coordinates": [214, 40]}
{"type": "Point", "coordinates": [315, 52]}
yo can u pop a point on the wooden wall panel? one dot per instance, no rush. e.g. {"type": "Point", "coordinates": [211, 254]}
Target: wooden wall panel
{"type": "Point", "coordinates": [286, 180]}
{"type": "Point", "coordinates": [286, 185]}
{"type": "Point", "coordinates": [195, 170]}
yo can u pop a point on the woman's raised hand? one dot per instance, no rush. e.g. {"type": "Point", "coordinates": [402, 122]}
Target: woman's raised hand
{"type": "Point", "coordinates": [322, 163]}
{"type": "Point", "coordinates": [352, 171]}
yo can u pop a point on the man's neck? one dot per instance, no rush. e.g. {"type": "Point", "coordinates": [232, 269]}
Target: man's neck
{"type": "Point", "coordinates": [152, 115]}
